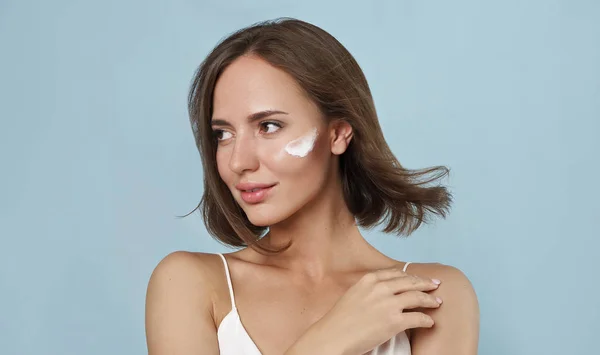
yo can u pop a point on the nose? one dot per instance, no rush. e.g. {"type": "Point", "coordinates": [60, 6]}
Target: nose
{"type": "Point", "coordinates": [243, 157]}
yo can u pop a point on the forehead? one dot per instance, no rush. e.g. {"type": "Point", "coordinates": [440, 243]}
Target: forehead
{"type": "Point", "coordinates": [250, 84]}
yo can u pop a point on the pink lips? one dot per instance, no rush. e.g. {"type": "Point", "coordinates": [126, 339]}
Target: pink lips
{"type": "Point", "coordinates": [254, 192]}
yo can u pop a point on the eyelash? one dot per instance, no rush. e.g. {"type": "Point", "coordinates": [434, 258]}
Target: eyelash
{"type": "Point", "coordinates": [262, 124]}
{"type": "Point", "coordinates": [266, 123]}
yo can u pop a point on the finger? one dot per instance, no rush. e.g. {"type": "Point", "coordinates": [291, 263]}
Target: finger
{"type": "Point", "coordinates": [388, 273]}
{"type": "Point", "coordinates": [409, 283]}
{"type": "Point", "coordinates": [411, 320]}
{"type": "Point", "coordinates": [416, 299]}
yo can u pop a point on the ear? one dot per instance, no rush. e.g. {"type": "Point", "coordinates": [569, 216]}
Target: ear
{"type": "Point", "coordinates": [340, 133]}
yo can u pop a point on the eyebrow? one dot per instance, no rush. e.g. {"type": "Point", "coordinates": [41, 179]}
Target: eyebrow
{"type": "Point", "coordinates": [251, 118]}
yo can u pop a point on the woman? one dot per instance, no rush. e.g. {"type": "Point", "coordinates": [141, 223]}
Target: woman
{"type": "Point", "coordinates": [294, 162]}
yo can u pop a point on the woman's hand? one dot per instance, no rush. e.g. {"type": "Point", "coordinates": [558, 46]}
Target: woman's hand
{"type": "Point", "coordinates": [374, 310]}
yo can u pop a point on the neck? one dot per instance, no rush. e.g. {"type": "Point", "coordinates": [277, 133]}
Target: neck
{"type": "Point", "coordinates": [324, 239]}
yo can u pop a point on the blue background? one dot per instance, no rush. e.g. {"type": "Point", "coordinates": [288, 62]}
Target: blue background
{"type": "Point", "coordinates": [98, 156]}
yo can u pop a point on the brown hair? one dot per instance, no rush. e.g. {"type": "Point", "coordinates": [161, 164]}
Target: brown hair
{"type": "Point", "coordinates": [377, 189]}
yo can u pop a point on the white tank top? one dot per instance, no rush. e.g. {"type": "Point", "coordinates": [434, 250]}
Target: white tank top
{"type": "Point", "coordinates": [235, 340]}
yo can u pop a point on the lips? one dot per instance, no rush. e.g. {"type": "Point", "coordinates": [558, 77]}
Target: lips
{"type": "Point", "coordinates": [254, 192]}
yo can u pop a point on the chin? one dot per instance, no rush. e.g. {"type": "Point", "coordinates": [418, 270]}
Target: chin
{"type": "Point", "coordinates": [265, 216]}
{"type": "Point", "coordinates": [261, 220]}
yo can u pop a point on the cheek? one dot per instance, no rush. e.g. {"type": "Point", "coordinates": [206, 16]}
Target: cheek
{"type": "Point", "coordinates": [223, 167]}
{"type": "Point", "coordinates": [302, 146]}
{"type": "Point", "coordinates": [299, 159]}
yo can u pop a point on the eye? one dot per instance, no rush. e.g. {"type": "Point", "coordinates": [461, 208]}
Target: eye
{"type": "Point", "coordinates": [269, 127]}
{"type": "Point", "coordinates": [221, 135]}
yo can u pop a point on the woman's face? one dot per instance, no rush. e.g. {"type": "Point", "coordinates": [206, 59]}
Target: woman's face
{"type": "Point", "coordinates": [274, 147]}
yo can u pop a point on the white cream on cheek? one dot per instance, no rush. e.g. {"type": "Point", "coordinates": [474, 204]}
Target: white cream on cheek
{"type": "Point", "coordinates": [300, 147]}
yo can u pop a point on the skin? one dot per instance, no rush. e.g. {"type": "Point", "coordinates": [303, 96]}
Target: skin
{"type": "Point", "coordinates": [280, 297]}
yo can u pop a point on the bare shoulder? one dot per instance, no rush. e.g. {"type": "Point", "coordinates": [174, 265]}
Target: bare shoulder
{"type": "Point", "coordinates": [452, 278]}
{"type": "Point", "coordinates": [456, 329]}
{"type": "Point", "coordinates": [177, 259]}
{"type": "Point", "coordinates": [183, 265]}
{"type": "Point", "coordinates": [184, 271]}
{"type": "Point", "coordinates": [180, 304]}
{"type": "Point", "coordinates": [455, 290]}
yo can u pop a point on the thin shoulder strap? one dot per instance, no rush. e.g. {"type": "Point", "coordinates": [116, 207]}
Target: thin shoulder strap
{"type": "Point", "coordinates": [228, 281]}
{"type": "Point", "coordinates": [406, 266]}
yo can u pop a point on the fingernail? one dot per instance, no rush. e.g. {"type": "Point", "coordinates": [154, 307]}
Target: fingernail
{"type": "Point", "coordinates": [439, 300]}
{"type": "Point", "coordinates": [436, 281]}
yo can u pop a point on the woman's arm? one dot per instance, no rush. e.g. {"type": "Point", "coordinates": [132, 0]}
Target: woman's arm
{"type": "Point", "coordinates": [456, 329]}
{"type": "Point", "coordinates": [179, 308]}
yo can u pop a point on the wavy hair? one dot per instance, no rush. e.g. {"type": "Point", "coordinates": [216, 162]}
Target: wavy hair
{"type": "Point", "coordinates": [376, 188]}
